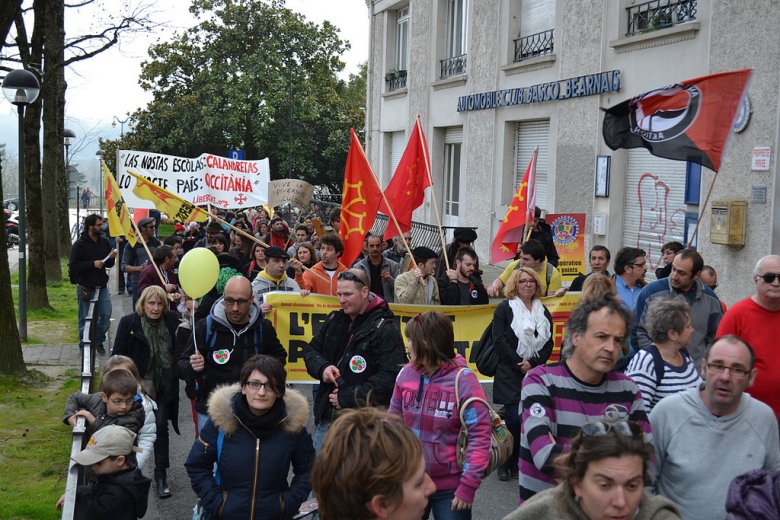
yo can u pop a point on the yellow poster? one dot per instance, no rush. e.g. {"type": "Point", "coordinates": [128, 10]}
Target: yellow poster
{"type": "Point", "coordinates": [297, 318]}
{"type": "Point", "coordinates": [568, 230]}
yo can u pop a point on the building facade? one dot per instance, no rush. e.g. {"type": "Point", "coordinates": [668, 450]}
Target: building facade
{"type": "Point", "coordinates": [493, 79]}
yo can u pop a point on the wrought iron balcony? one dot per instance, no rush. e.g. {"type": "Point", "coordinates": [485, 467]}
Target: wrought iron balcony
{"type": "Point", "coordinates": [395, 80]}
{"type": "Point", "coordinates": [534, 45]}
{"type": "Point", "coordinates": [659, 14]}
{"type": "Point", "coordinates": [455, 66]}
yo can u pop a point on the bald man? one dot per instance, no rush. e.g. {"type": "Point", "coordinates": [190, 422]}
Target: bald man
{"type": "Point", "coordinates": [234, 331]}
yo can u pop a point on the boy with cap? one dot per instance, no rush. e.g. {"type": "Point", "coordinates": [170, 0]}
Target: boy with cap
{"type": "Point", "coordinates": [418, 286]}
{"type": "Point", "coordinates": [273, 277]}
{"type": "Point", "coordinates": [120, 492]}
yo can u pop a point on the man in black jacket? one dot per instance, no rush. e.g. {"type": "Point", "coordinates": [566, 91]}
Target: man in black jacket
{"type": "Point", "coordinates": [356, 355]}
{"type": "Point", "coordinates": [234, 331]}
{"type": "Point", "coordinates": [89, 258]}
{"type": "Point", "coordinates": [460, 286]}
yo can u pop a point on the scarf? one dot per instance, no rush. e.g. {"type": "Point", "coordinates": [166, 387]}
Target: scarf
{"type": "Point", "coordinates": [160, 373]}
{"type": "Point", "coordinates": [261, 425]}
{"type": "Point", "coordinates": [531, 327]}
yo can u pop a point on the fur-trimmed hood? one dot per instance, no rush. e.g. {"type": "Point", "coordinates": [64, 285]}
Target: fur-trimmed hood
{"type": "Point", "coordinates": [221, 409]}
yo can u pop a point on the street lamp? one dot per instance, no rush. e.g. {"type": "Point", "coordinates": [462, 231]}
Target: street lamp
{"type": "Point", "coordinates": [21, 88]}
{"type": "Point", "coordinates": [101, 195]}
{"type": "Point", "coordinates": [67, 139]}
{"type": "Point", "coordinates": [121, 124]}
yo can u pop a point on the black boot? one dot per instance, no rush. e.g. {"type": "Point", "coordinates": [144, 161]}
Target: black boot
{"type": "Point", "coordinates": [161, 483]}
{"type": "Point", "coordinates": [503, 472]}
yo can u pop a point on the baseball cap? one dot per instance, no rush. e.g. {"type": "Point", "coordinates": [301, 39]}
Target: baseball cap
{"type": "Point", "coordinates": [109, 441]}
{"type": "Point", "coordinates": [275, 252]}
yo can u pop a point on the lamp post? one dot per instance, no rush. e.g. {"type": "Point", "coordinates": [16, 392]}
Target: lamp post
{"type": "Point", "coordinates": [67, 139]}
{"type": "Point", "coordinates": [121, 124]}
{"type": "Point", "coordinates": [101, 195]}
{"type": "Point", "coordinates": [21, 88]}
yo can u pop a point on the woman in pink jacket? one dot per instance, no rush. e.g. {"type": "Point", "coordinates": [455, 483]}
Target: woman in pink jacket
{"type": "Point", "coordinates": [424, 395]}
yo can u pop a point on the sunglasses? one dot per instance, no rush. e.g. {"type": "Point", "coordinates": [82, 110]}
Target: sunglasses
{"type": "Point", "coordinates": [615, 418]}
{"type": "Point", "coordinates": [351, 277]}
{"type": "Point", "coordinates": [769, 277]}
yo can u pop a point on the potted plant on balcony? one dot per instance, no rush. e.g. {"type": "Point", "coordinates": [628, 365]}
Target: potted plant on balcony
{"type": "Point", "coordinates": [390, 75]}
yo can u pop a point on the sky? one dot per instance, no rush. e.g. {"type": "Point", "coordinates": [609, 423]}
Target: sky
{"type": "Point", "coordinates": [106, 86]}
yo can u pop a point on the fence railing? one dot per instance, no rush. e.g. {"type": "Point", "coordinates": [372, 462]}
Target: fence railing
{"type": "Point", "coordinates": [395, 80]}
{"type": "Point", "coordinates": [455, 66]}
{"type": "Point", "coordinates": [422, 234]}
{"type": "Point", "coordinates": [534, 45]}
{"type": "Point", "coordinates": [659, 14]}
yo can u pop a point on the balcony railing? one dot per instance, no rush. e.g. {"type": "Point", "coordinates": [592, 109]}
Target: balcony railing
{"type": "Point", "coordinates": [455, 66]}
{"type": "Point", "coordinates": [395, 80]}
{"type": "Point", "coordinates": [534, 45]}
{"type": "Point", "coordinates": [659, 14]}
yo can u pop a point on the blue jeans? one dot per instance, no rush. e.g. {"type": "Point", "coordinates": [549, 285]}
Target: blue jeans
{"type": "Point", "coordinates": [320, 431]}
{"type": "Point", "coordinates": [104, 315]}
{"type": "Point", "coordinates": [440, 504]}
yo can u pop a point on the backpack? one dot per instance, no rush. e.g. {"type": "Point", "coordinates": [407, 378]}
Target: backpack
{"type": "Point", "coordinates": [658, 362]}
{"type": "Point", "coordinates": [484, 353]}
{"type": "Point", "coordinates": [211, 336]}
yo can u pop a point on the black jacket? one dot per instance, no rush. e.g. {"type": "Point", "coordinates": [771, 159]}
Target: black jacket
{"type": "Point", "coordinates": [82, 261]}
{"type": "Point", "coordinates": [247, 460]}
{"type": "Point", "coordinates": [508, 380]}
{"type": "Point", "coordinates": [229, 350]}
{"type": "Point", "coordinates": [131, 342]}
{"type": "Point", "coordinates": [449, 292]}
{"type": "Point", "coordinates": [368, 352]}
{"type": "Point", "coordinates": [119, 496]}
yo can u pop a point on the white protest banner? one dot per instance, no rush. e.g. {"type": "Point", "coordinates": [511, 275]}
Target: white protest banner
{"type": "Point", "coordinates": [295, 191]}
{"type": "Point", "coordinates": [225, 183]}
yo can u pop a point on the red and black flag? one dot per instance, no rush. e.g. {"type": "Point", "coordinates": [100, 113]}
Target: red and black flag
{"type": "Point", "coordinates": [687, 121]}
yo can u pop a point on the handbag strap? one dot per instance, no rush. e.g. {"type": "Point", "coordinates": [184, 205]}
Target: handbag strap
{"type": "Point", "coordinates": [468, 401]}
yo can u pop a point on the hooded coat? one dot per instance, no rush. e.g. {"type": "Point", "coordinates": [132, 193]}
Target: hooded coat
{"type": "Point", "coordinates": [253, 468]}
{"type": "Point", "coordinates": [118, 496]}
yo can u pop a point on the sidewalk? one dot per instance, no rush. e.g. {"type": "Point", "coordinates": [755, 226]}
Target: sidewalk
{"type": "Point", "coordinates": [53, 359]}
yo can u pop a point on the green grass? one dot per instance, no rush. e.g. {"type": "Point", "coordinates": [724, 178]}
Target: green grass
{"type": "Point", "coordinates": [34, 445]}
{"type": "Point", "coordinates": [58, 325]}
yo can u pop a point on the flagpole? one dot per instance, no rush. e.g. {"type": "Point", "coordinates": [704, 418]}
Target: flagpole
{"type": "Point", "coordinates": [423, 144]}
{"type": "Point", "coordinates": [531, 197]}
{"type": "Point", "coordinates": [151, 260]}
{"type": "Point", "coordinates": [701, 213]}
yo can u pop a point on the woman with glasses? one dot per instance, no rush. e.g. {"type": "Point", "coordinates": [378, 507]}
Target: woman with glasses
{"type": "Point", "coordinates": [429, 392]}
{"type": "Point", "coordinates": [255, 433]}
{"type": "Point", "coordinates": [602, 477]}
{"type": "Point", "coordinates": [522, 336]}
{"type": "Point", "coordinates": [664, 367]}
{"type": "Point", "coordinates": [148, 337]}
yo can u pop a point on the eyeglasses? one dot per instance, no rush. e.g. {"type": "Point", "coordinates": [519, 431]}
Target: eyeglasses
{"type": "Point", "coordinates": [615, 418]}
{"type": "Point", "coordinates": [257, 385]}
{"type": "Point", "coordinates": [526, 282]}
{"type": "Point", "coordinates": [236, 301]}
{"type": "Point", "coordinates": [120, 402]}
{"type": "Point", "coordinates": [719, 369]}
{"type": "Point", "coordinates": [351, 277]}
{"type": "Point", "coordinates": [643, 264]}
{"type": "Point", "coordinates": [769, 277]}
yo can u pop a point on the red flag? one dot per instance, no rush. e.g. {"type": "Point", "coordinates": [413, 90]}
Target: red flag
{"type": "Point", "coordinates": [510, 233]}
{"type": "Point", "coordinates": [406, 190]}
{"type": "Point", "coordinates": [688, 121]}
{"type": "Point", "coordinates": [359, 201]}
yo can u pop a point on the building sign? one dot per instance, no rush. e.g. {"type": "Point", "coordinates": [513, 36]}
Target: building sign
{"type": "Point", "coordinates": [761, 158]}
{"type": "Point", "coordinates": [581, 86]}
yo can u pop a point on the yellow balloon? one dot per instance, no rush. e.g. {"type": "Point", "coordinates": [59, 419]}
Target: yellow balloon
{"type": "Point", "coordinates": [198, 271]}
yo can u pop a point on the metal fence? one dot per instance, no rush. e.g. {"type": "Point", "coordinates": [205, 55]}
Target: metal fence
{"type": "Point", "coordinates": [659, 14]}
{"type": "Point", "coordinates": [422, 234]}
{"type": "Point", "coordinates": [534, 45]}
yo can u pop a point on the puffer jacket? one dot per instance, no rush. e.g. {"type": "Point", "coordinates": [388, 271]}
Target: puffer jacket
{"type": "Point", "coordinates": [253, 470]}
{"type": "Point", "coordinates": [230, 348]}
{"type": "Point", "coordinates": [428, 407]}
{"type": "Point", "coordinates": [368, 352]}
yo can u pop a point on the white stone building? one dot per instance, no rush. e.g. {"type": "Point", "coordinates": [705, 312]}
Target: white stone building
{"type": "Point", "coordinates": [572, 58]}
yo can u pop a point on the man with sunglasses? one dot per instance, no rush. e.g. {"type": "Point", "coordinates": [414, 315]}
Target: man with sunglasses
{"type": "Point", "coordinates": [755, 319]}
{"type": "Point", "coordinates": [234, 331]}
{"type": "Point", "coordinates": [705, 437]}
{"type": "Point", "coordinates": [706, 310]}
{"type": "Point", "coordinates": [134, 258]}
{"type": "Point", "coordinates": [356, 354]}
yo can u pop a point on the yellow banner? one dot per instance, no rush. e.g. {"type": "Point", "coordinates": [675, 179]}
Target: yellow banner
{"type": "Point", "coordinates": [118, 215]}
{"type": "Point", "coordinates": [297, 318]}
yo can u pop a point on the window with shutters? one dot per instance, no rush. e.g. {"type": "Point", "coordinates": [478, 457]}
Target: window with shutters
{"type": "Point", "coordinates": [530, 135]}
{"type": "Point", "coordinates": [396, 76]}
{"type": "Point", "coordinates": [454, 62]}
{"type": "Point", "coordinates": [537, 29]}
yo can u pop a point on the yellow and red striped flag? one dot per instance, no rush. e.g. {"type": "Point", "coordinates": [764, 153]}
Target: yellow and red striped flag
{"type": "Point", "coordinates": [118, 214]}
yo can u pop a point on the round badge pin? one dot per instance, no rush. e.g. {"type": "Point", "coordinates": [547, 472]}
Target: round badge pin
{"type": "Point", "coordinates": [221, 356]}
{"type": "Point", "coordinates": [357, 364]}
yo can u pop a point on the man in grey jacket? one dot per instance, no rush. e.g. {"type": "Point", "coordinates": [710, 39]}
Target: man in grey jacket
{"type": "Point", "coordinates": [273, 278]}
{"type": "Point", "coordinates": [705, 437]}
{"type": "Point", "coordinates": [380, 270]}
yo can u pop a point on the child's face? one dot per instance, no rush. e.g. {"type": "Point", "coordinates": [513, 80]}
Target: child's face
{"type": "Point", "coordinates": [119, 404]}
{"type": "Point", "coordinates": [109, 465]}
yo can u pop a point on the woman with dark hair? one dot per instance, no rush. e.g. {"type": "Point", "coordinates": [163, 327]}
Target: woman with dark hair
{"type": "Point", "coordinates": [306, 255]}
{"type": "Point", "coordinates": [429, 393]}
{"type": "Point", "coordinates": [262, 425]}
{"type": "Point", "coordinates": [220, 244]}
{"type": "Point", "coordinates": [522, 339]}
{"type": "Point", "coordinates": [258, 261]}
{"type": "Point", "coordinates": [148, 337]}
{"type": "Point", "coordinates": [242, 250]}
{"type": "Point", "coordinates": [602, 477]}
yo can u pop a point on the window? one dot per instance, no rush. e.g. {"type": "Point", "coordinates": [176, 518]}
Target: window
{"type": "Point", "coordinates": [402, 38]}
{"type": "Point", "coordinates": [659, 14]}
{"type": "Point", "coordinates": [454, 63]}
{"type": "Point", "coordinates": [451, 178]}
{"type": "Point", "coordinates": [537, 23]}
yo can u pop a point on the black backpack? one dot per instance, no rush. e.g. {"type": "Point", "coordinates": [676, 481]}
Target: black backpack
{"type": "Point", "coordinates": [658, 362]}
{"type": "Point", "coordinates": [484, 353]}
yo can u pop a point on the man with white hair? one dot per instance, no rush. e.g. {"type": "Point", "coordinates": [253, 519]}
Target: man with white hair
{"type": "Point", "coordinates": [755, 320]}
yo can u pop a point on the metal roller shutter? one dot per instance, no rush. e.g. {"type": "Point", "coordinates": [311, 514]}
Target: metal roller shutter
{"type": "Point", "coordinates": [397, 150]}
{"type": "Point", "coordinates": [453, 135]}
{"type": "Point", "coordinates": [529, 135]}
{"type": "Point", "coordinates": [655, 204]}
{"type": "Point", "coordinates": [536, 16]}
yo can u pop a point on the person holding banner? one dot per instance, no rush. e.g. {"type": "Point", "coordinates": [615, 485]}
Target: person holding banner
{"type": "Point", "coordinates": [135, 257]}
{"type": "Point", "coordinates": [418, 286]}
{"type": "Point", "coordinates": [460, 286]}
{"type": "Point", "coordinates": [522, 339]}
{"type": "Point", "coordinates": [323, 277]}
{"type": "Point", "coordinates": [273, 278]}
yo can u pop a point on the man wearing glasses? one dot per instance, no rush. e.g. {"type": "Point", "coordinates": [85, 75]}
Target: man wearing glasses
{"type": "Point", "coordinates": [755, 319]}
{"type": "Point", "coordinates": [706, 311]}
{"type": "Point", "coordinates": [234, 331]}
{"type": "Point", "coordinates": [630, 269]}
{"type": "Point", "coordinates": [705, 437]}
{"type": "Point", "coordinates": [134, 258]}
{"type": "Point", "coordinates": [356, 354]}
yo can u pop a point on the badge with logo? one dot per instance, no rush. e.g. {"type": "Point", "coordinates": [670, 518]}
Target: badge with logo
{"type": "Point", "coordinates": [474, 293]}
{"type": "Point", "coordinates": [357, 364]}
{"type": "Point", "coordinates": [537, 410]}
{"type": "Point", "coordinates": [221, 356]}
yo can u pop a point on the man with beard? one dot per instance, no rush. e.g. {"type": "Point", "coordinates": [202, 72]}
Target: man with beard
{"type": "Point", "coordinates": [418, 286]}
{"type": "Point", "coordinates": [460, 286]}
{"type": "Point", "coordinates": [381, 271]}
